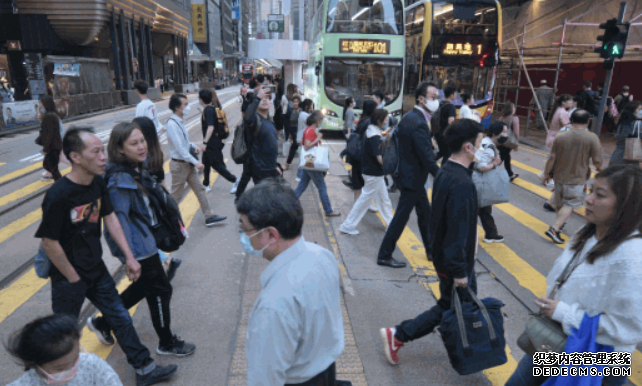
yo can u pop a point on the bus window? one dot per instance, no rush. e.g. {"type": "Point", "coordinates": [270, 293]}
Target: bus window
{"type": "Point", "coordinates": [473, 80]}
{"type": "Point", "coordinates": [484, 21]}
{"type": "Point", "coordinates": [359, 78]}
{"type": "Point", "coordinates": [349, 16]}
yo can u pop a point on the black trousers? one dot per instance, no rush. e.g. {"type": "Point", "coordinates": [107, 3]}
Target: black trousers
{"type": "Point", "coordinates": [425, 323]}
{"type": "Point", "coordinates": [152, 285]}
{"type": "Point", "coordinates": [213, 158]}
{"type": "Point", "coordinates": [488, 222]}
{"type": "Point", "coordinates": [408, 200]}
{"type": "Point", "coordinates": [246, 177]}
{"type": "Point", "coordinates": [50, 163]}
{"type": "Point", "coordinates": [504, 155]}
{"type": "Point", "coordinates": [326, 378]}
{"type": "Point", "coordinates": [444, 150]}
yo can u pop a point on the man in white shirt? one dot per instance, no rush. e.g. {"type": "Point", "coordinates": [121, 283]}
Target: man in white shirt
{"type": "Point", "coordinates": [295, 329]}
{"type": "Point", "coordinates": [184, 166]}
{"type": "Point", "coordinates": [146, 108]}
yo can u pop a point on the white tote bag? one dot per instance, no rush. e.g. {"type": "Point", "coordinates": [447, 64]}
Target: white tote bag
{"type": "Point", "coordinates": [316, 159]}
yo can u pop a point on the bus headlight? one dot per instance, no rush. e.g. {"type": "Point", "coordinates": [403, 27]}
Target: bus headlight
{"type": "Point", "coordinates": [329, 113]}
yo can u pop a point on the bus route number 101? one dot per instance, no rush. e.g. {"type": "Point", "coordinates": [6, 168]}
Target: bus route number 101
{"type": "Point", "coordinates": [364, 46]}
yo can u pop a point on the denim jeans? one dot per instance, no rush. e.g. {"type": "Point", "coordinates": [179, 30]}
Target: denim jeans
{"type": "Point", "coordinates": [425, 323]}
{"type": "Point", "coordinates": [523, 376]}
{"type": "Point", "coordinates": [319, 181]}
{"type": "Point", "coordinates": [67, 298]}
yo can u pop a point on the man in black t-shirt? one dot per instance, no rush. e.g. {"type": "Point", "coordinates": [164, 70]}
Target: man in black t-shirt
{"type": "Point", "coordinates": [70, 233]}
{"type": "Point", "coordinates": [212, 144]}
{"type": "Point", "coordinates": [447, 115]}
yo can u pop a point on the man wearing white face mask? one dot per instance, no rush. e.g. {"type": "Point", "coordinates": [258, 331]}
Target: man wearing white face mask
{"type": "Point", "coordinates": [184, 167]}
{"type": "Point", "coordinates": [286, 344]}
{"type": "Point", "coordinates": [416, 161]}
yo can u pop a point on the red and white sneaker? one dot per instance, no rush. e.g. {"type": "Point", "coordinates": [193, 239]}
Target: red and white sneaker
{"type": "Point", "coordinates": [391, 345]}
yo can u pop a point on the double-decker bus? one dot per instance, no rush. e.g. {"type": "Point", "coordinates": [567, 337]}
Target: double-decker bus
{"type": "Point", "coordinates": [356, 48]}
{"type": "Point", "coordinates": [453, 42]}
{"type": "Point", "coordinates": [247, 72]}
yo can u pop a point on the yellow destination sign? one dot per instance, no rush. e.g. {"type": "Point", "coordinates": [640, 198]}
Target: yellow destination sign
{"type": "Point", "coordinates": [364, 46]}
{"type": "Point", "coordinates": [463, 49]}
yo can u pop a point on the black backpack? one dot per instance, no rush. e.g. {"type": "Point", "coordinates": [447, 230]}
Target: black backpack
{"type": "Point", "coordinates": [390, 153]}
{"type": "Point", "coordinates": [241, 144]}
{"type": "Point", "coordinates": [169, 232]}
{"type": "Point", "coordinates": [435, 120]}
{"type": "Point", "coordinates": [355, 146]}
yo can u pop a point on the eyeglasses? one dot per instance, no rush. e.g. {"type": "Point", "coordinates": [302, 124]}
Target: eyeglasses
{"type": "Point", "coordinates": [241, 230]}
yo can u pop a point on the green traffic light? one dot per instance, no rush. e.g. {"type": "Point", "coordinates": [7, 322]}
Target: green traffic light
{"type": "Point", "coordinates": [615, 50]}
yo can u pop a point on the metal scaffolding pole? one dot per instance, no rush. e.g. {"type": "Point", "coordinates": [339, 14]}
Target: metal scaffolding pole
{"type": "Point", "coordinates": [559, 64]}
{"type": "Point", "coordinates": [528, 78]}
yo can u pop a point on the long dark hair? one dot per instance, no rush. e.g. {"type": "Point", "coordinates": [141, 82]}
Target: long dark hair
{"type": "Point", "coordinates": [628, 114]}
{"type": "Point", "coordinates": [119, 134]}
{"type": "Point", "coordinates": [626, 183]}
{"type": "Point", "coordinates": [153, 145]}
{"type": "Point", "coordinates": [558, 103]}
{"type": "Point", "coordinates": [348, 102]}
{"type": "Point", "coordinates": [369, 106]}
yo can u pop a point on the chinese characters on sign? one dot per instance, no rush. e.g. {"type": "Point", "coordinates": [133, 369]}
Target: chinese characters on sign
{"type": "Point", "coordinates": [199, 30]}
{"type": "Point", "coordinates": [364, 46]}
{"type": "Point", "coordinates": [463, 49]}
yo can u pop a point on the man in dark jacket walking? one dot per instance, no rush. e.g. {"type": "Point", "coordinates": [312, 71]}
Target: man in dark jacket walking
{"type": "Point", "coordinates": [454, 228]}
{"type": "Point", "coordinates": [416, 160]}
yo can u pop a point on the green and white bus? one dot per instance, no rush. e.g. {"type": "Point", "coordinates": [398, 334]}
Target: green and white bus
{"type": "Point", "coordinates": [356, 48]}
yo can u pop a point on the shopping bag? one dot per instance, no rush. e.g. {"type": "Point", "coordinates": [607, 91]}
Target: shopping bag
{"type": "Point", "coordinates": [633, 147]}
{"type": "Point", "coordinates": [473, 334]}
{"type": "Point", "coordinates": [316, 159]}
{"type": "Point", "coordinates": [493, 187]}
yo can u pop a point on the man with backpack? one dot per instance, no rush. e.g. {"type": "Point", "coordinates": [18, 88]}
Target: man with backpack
{"type": "Point", "coordinates": [214, 132]}
{"type": "Point", "coordinates": [416, 160]}
{"type": "Point", "coordinates": [622, 99]}
{"type": "Point", "coordinates": [71, 217]}
{"type": "Point", "coordinates": [184, 166]}
{"type": "Point", "coordinates": [441, 119]}
{"type": "Point", "coordinates": [586, 99]}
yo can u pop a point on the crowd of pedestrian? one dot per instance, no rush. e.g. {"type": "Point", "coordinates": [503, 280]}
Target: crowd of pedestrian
{"type": "Point", "coordinates": [286, 344]}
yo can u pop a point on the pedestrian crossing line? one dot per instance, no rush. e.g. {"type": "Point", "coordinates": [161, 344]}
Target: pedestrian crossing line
{"type": "Point", "coordinates": [2, 163]}
{"type": "Point", "coordinates": [188, 208]}
{"type": "Point", "coordinates": [533, 150]}
{"type": "Point", "coordinates": [20, 172]}
{"type": "Point", "coordinates": [27, 190]}
{"type": "Point", "coordinates": [19, 292]}
{"type": "Point", "coordinates": [527, 220]}
{"type": "Point", "coordinates": [543, 192]}
{"type": "Point", "coordinates": [536, 171]}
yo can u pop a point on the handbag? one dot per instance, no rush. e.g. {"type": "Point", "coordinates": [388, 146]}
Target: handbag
{"type": "Point", "coordinates": [512, 143]}
{"type": "Point", "coordinates": [633, 146]}
{"type": "Point", "coordinates": [493, 187]}
{"type": "Point", "coordinates": [316, 159]}
{"type": "Point", "coordinates": [473, 334]}
{"type": "Point", "coordinates": [541, 334]}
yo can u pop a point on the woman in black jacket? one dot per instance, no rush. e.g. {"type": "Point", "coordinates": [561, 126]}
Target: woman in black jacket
{"type": "Point", "coordinates": [50, 136]}
{"type": "Point", "coordinates": [356, 178]}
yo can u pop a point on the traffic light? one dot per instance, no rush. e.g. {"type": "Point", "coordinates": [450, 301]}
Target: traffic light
{"type": "Point", "coordinates": [611, 30]}
{"type": "Point", "coordinates": [618, 43]}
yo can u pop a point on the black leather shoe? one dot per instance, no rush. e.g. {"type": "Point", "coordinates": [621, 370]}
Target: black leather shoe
{"type": "Point", "coordinates": [173, 266]}
{"type": "Point", "coordinates": [214, 220]}
{"type": "Point", "coordinates": [548, 207]}
{"type": "Point", "coordinates": [159, 374]}
{"type": "Point", "coordinates": [391, 262]}
{"type": "Point", "coordinates": [348, 184]}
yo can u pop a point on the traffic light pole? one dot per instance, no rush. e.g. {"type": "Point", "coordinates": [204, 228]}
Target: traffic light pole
{"type": "Point", "coordinates": [597, 125]}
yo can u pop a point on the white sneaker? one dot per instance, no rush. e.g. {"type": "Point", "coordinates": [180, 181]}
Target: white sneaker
{"type": "Point", "coordinates": [297, 179]}
{"type": "Point", "coordinates": [347, 231]}
{"type": "Point", "coordinates": [235, 186]}
{"type": "Point", "coordinates": [208, 189]}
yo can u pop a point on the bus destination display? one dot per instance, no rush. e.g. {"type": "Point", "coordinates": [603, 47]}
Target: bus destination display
{"type": "Point", "coordinates": [463, 49]}
{"type": "Point", "coordinates": [364, 46]}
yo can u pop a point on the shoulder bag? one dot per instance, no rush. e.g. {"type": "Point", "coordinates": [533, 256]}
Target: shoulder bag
{"type": "Point", "coordinates": [493, 186]}
{"type": "Point", "coordinates": [542, 334]}
{"type": "Point", "coordinates": [512, 143]}
{"type": "Point", "coordinates": [633, 145]}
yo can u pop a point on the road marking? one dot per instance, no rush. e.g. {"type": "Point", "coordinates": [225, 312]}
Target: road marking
{"type": "Point", "coordinates": [543, 192]}
{"type": "Point", "coordinates": [2, 163]}
{"type": "Point", "coordinates": [27, 190]}
{"type": "Point", "coordinates": [528, 221]}
{"type": "Point", "coordinates": [18, 173]}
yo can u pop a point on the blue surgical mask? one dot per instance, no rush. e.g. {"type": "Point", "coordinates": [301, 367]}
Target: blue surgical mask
{"type": "Point", "coordinates": [247, 244]}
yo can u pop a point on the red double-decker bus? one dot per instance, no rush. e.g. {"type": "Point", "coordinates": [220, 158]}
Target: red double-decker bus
{"type": "Point", "coordinates": [247, 72]}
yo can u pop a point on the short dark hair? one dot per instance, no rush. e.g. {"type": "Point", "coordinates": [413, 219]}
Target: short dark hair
{"type": "Point", "coordinates": [588, 83]}
{"type": "Point", "coordinates": [141, 87]}
{"type": "Point", "coordinates": [252, 84]}
{"type": "Point", "coordinates": [314, 116]}
{"type": "Point", "coordinates": [449, 91]}
{"type": "Point", "coordinates": [465, 97]}
{"type": "Point", "coordinates": [272, 203]}
{"type": "Point", "coordinates": [580, 117]}
{"type": "Point", "coordinates": [460, 132]}
{"type": "Point", "coordinates": [260, 78]}
{"type": "Point", "coordinates": [48, 103]}
{"type": "Point", "coordinates": [495, 128]}
{"type": "Point", "coordinates": [72, 142]}
{"type": "Point", "coordinates": [176, 101]}
{"type": "Point", "coordinates": [206, 96]}
{"type": "Point", "coordinates": [378, 117]}
{"type": "Point", "coordinates": [297, 97]}
{"type": "Point", "coordinates": [44, 340]}
{"type": "Point", "coordinates": [379, 95]}
{"type": "Point", "coordinates": [422, 90]}
{"type": "Point", "coordinates": [306, 104]}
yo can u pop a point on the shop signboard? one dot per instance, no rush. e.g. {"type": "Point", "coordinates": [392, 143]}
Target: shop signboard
{"type": "Point", "coordinates": [19, 113]}
{"type": "Point", "coordinates": [199, 30]}
{"type": "Point", "coordinates": [66, 69]}
{"type": "Point", "coordinates": [276, 23]}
